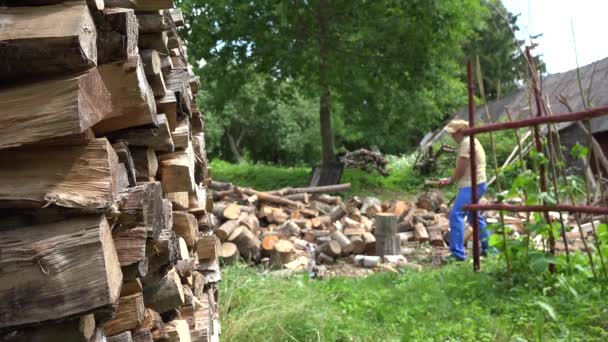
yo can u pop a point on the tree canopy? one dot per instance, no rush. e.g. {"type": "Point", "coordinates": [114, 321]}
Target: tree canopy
{"type": "Point", "coordinates": [377, 72]}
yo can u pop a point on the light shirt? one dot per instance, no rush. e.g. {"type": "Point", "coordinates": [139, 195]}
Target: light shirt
{"type": "Point", "coordinates": [464, 150]}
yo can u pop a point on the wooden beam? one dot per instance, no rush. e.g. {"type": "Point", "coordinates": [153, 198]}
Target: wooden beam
{"type": "Point", "coordinates": [81, 177]}
{"type": "Point", "coordinates": [33, 44]}
{"type": "Point", "coordinates": [71, 105]}
{"type": "Point", "coordinates": [58, 270]}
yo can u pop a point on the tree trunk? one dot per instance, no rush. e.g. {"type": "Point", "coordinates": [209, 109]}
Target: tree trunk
{"type": "Point", "coordinates": [327, 134]}
{"type": "Point", "coordinates": [234, 148]}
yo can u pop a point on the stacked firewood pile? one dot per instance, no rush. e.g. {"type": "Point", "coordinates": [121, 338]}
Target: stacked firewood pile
{"type": "Point", "coordinates": [293, 226]}
{"type": "Point", "coordinates": [366, 160]}
{"type": "Point", "coordinates": [102, 166]}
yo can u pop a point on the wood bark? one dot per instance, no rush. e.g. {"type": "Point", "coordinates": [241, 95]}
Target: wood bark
{"type": "Point", "coordinates": [226, 211]}
{"type": "Point", "coordinates": [282, 253]}
{"type": "Point", "coordinates": [129, 315]}
{"type": "Point", "coordinates": [162, 252]}
{"type": "Point", "coordinates": [421, 233]}
{"type": "Point", "coordinates": [143, 205]}
{"type": "Point", "coordinates": [345, 244]}
{"type": "Point", "coordinates": [130, 245]}
{"type": "Point", "coordinates": [385, 232]}
{"type": "Point", "coordinates": [82, 177]}
{"type": "Point", "coordinates": [331, 248]}
{"type": "Point", "coordinates": [72, 104]}
{"type": "Point", "coordinates": [33, 44]}
{"type": "Point", "coordinates": [229, 253]}
{"type": "Point", "coordinates": [370, 243]}
{"type": "Point", "coordinates": [186, 226]}
{"type": "Point", "coordinates": [163, 294]}
{"type": "Point", "coordinates": [152, 22]}
{"type": "Point", "coordinates": [125, 158]}
{"type": "Point", "coordinates": [132, 98]}
{"type": "Point", "coordinates": [117, 35]}
{"type": "Point", "coordinates": [358, 244]}
{"type": "Point", "coordinates": [247, 243]}
{"type": "Point", "coordinates": [157, 137]}
{"type": "Point", "coordinates": [224, 231]}
{"type": "Point", "coordinates": [58, 270]}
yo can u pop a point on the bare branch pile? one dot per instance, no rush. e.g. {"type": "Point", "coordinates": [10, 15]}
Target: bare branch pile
{"type": "Point", "coordinates": [366, 160]}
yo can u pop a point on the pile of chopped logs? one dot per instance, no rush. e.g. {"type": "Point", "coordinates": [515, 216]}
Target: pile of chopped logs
{"type": "Point", "coordinates": [366, 160]}
{"type": "Point", "coordinates": [289, 227]}
{"type": "Point", "coordinates": [106, 238]}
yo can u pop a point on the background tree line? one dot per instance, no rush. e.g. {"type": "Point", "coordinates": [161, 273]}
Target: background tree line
{"type": "Point", "coordinates": [296, 81]}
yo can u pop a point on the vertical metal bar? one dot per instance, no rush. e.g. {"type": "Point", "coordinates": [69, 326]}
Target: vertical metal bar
{"type": "Point", "coordinates": [539, 149]}
{"type": "Point", "coordinates": [473, 160]}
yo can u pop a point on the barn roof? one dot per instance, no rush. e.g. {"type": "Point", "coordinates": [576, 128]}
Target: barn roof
{"type": "Point", "coordinates": [594, 79]}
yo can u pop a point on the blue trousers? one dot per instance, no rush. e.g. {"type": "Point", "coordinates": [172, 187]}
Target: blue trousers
{"type": "Point", "coordinates": [457, 216]}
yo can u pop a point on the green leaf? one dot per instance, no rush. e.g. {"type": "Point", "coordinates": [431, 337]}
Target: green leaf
{"type": "Point", "coordinates": [548, 309]}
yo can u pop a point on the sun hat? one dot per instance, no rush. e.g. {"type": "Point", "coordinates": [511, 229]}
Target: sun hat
{"type": "Point", "coordinates": [456, 125]}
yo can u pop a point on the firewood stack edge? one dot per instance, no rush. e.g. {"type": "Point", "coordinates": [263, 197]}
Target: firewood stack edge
{"type": "Point", "coordinates": [102, 176]}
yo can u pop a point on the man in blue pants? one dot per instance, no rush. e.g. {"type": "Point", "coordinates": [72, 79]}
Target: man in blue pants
{"type": "Point", "coordinates": [462, 177]}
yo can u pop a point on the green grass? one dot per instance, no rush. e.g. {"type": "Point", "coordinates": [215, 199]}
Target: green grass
{"type": "Point", "coordinates": [401, 183]}
{"type": "Point", "coordinates": [448, 304]}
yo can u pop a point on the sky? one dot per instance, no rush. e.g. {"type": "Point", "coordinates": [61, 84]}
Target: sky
{"type": "Point", "coordinates": [553, 19]}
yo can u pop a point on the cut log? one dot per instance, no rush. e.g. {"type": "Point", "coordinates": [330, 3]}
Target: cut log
{"type": "Point", "coordinates": [207, 247]}
{"type": "Point", "coordinates": [421, 233]}
{"type": "Point", "coordinates": [185, 226]}
{"type": "Point", "coordinates": [385, 232]}
{"type": "Point", "coordinates": [71, 105]}
{"type": "Point", "coordinates": [325, 259]}
{"type": "Point", "coordinates": [367, 202]}
{"type": "Point", "coordinates": [331, 248]}
{"type": "Point", "coordinates": [282, 253]}
{"type": "Point", "coordinates": [358, 244]}
{"type": "Point", "coordinates": [251, 222]}
{"type": "Point", "coordinates": [129, 315]}
{"type": "Point", "coordinates": [130, 245]}
{"type": "Point", "coordinates": [177, 171]}
{"type": "Point", "coordinates": [145, 162]}
{"type": "Point", "coordinates": [344, 242]}
{"type": "Point", "coordinates": [154, 41]}
{"type": "Point", "coordinates": [159, 138]}
{"type": "Point", "coordinates": [57, 270]}
{"type": "Point", "coordinates": [226, 211]}
{"type": "Point", "coordinates": [247, 243]}
{"type": "Point", "coordinates": [431, 200]}
{"type": "Point", "coordinates": [154, 323]}
{"type": "Point", "coordinates": [122, 337]}
{"type": "Point", "coordinates": [132, 98]}
{"type": "Point", "coordinates": [162, 252]}
{"type": "Point", "coordinates": [165, 293]}
{"type": "Point", "coordinates": [82, 177]}
{"type": "Point", "coordinates": [131, 287]}
{"type": "Point", "coordinates": [331, 200]}
{"type": "Point", "coordinates": [186, 267]}
{"type": "Point", "coordinates": [337, 213]}
{"type": "Point", "coordinates": [436, 237]}
{"type": "Point", "coordinates": [143, 205]}
{"type": "Point", "coordinates": [117, 35]}
{"type": "Point", "coordinates": [370, 243]}
{"type": "Point", "coordinates": [320, 222]}
{"type": "Point", "coordinates": [224, 231]}
{"type": "Point", "coordinates": [77, 330]}
{"type": "Point", "coordinates": [268, 243]}
{"type": "Point", "coordinates": [302, 197]}
{"type": "Point", "coordinates": [34, 44]}
{"type": "Point", "coordinates": [229, 253]}
{"type": "Point", "coordinates": [289, 229]}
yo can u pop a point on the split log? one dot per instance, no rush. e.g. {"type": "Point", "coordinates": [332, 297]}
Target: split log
{"type": "Point", "coordinates": [421, 233]}
{"type": "Point", "coordinates": [154, 324]}
{"type": "Point", "coordinates": [145, 162]}
{"type": "Point", "coordinates": [34, 44]}
{"type": "Point", "coordinates": [158, 137]}
{"type": "Point", "coordinates": [139, 5]}
{"type": "Point", "coordinates": [183, 253]}
{"type": "Point", "coordinates": [289, 229]}
{"type": "Point", "coordinates": [344, 242]}
{"type": "Point", "coordinates": [122, 337]}
{"type": "Point", "coordinates": [251, 222]}
{"type": "Point", "coordinates": [226, 211]}
{"type": "Point", "coordinates": [153, 70]}
{"type": "Point", "coordinates": [132, 98]}
{"type": "Point", "coordinates": [207, 247]}
{"type": "Point", "coordinates": [369, 201]}
{"type": "Point", "coordinates": [331, 248]}
{"type": "Point", "coordinates": [370, 243]}
{"type": "Point", "coordinates": [164, 251]}
{"type": "Point", "coordinates": [142, 335]}
{"type": "Point", "coordinates": [282, 253]}
{"type": "Point", "coordinates": [152, 22]}
{"type": "Point", "coordinates": [125, 157]}
{"type": "Point", "coordinates": [165, 293]}
{"type": "Point", "coordinates": [77, 330]}
{"type": "Point", "coordinates": [186, 267]}
{"type": "Point", "coordinates": [154, 41]}
{"type": "Point", "coordinates": [407, 236]}
{"type": "Point", "coordinates": [177, 171]}
{"type": "Point", "coordinates": [71, 105]}
{"type": "Point", "coordinates": [179, 200]}
{"type": "Point", "coordinates": [135, 270]}
{"type": "Point", "coordinates": [337, 213]}
{"type": "Point", "coordinates": [35, 261]}
{"type": "Point", "coordinates": [325, 259]}
{"type": "Point", "coordinates": [181, 134]}
{"type": "Point", "coordinates": [229, 253]}
{"type": "Point", "coordinates": [130, 245]}
{"type": "Point", "coordinates": [178, 331]}
{"type": "Point", "coordinates": [185, 225]}
{"type": "Point", "coordinates": [131, 287]}
{"type": "Point", "coordinates": [247, 243]}
{"type": "Point", "coordinates": [129, 315]}
{"type": "Point", "coordinates": [431, 200]}
{"type": "Point", "coordinates": [82, 177]}
{"type": "Point", "coordinates": [117, 35]}
{"type": "Point", "coordinates": [143, 205]}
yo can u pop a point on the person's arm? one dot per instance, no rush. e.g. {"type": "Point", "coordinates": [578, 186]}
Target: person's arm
{"type": "Point", "coordinates": [461, 166]}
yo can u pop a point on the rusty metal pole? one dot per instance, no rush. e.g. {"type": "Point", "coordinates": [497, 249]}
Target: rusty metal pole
{"type": "Point", "coordinates": [473, 160]}
{"type": "Point", "coordinates": [539, 149]}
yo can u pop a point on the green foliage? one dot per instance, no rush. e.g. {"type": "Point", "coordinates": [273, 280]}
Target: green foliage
{"type": "Point", "coordinates": [448, 304]}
